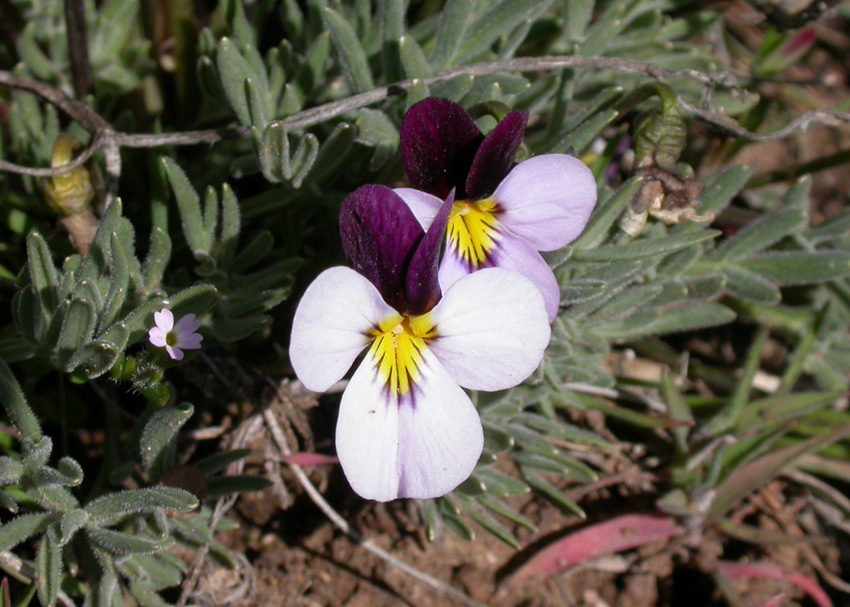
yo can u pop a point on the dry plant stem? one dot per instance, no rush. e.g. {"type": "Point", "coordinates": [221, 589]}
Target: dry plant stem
{"type": "Point", "coordinates": [23, 568]}
{"type": "Point", "coordinates": [342, 524]}
{"type": "Point", "coordinates": [104, 136]}
{"type": "Point", "coordinates": [222, 505]}
{"type": "Point", "coordinates": [75, 19]}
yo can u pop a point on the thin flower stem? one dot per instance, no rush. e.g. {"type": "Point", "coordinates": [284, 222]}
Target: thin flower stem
{"type": "Point", "coordinates": [342, 524]}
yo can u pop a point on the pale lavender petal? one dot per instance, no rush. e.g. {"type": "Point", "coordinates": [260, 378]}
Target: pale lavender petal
{"type": "Point", "coordinates": [186, 325]}
{"type": "Point", "coordinates": [423, 205]}
{"type": "Point", "coordinates": [157, 337]}
{"type": "Point", "coordinates": [174, 352]}
{"type": "Point", "coordinates": [420, 445]}
{"type": "Point", "coordinates": [513, 253]}
{"type": "Point", "coordinates": [190, 342]}
{"type": "Point", "coordinates": [164, 319]}
{"type": "Point", "coordinates": [452, 268]}
{"type": "Point", "coordinates": [547, 200]}
{"type": "Point", "coordinates": [492, 329]}
{"type": "Point", "coordinates": [332, 324]}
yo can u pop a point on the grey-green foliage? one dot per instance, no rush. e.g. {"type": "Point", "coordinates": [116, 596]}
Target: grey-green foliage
{"type": "Point", "coordinates": [83, 316]}
{"type": "Point", "coordinates": [117, 54]}
{"type": "Point", "coordinates": [246, 292]}
{"type": "Point", "coordinates": [130, 533]}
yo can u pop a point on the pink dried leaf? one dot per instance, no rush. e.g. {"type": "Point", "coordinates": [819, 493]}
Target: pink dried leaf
{"type": "Point", "coordinates": [769, 571]}
{"type": "Point", "coordinates": [310, 459]}
{"type": "Point", "coordinates": [613, 536]}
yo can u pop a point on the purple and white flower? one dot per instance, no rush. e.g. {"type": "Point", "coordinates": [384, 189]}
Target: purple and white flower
{"type": "Point", "coordinates": [406, 429]}
{"type": "Point", "coordinates": [175, 337]}
{"type": "Point", "coordinates": [503, 213]}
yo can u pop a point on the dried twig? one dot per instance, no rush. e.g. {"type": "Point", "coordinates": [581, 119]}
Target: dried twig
{"type": "Point", "coordinates": [106, 138]}
{"type": "Point", "coordinates": [342, 524]}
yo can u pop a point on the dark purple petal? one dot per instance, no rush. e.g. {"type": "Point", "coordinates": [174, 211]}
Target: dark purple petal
{"type": "Point", "coordinates": [423, 285]}
{"type": "Point", "coordinates": [379, 236]}
{"type": "Point", "coordinates": [438, 142]}
{"type": "Point", "coordinates": [495, 158]}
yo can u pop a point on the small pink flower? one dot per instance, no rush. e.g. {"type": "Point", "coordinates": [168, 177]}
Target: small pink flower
{"type": "Point", "coordinates": [166, 334]}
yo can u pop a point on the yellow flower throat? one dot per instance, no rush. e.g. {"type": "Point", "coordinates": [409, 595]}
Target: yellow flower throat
{"type": "Point", "coordinates": [397, 349]}
{"type": "Point", "coordinates": [472, 230]}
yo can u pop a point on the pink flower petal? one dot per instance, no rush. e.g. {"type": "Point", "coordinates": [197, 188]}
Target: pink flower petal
{"type": "Point", "coordinates": [164, 319]}
{"type": "Point", "coordinates": [547, 200]}
{"type": "Point", "coordinates": [157, 337]}
{"type": "Point", "coordinates": [186, 325]}
{"type": "Point", "coordinates": [190, 342]}
{"type": "Point", "coordinates": [174, 352]}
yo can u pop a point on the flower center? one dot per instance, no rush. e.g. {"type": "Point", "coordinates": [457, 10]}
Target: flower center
{"type": "Point", "coordinates": [397, 349]}
{"type": "Point", "coordinates": [171, 338]}
{"type": "Point", "coordinates": [473, 230]}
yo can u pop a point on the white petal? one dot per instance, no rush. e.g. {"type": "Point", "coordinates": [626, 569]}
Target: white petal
{"type": "Point", "coordinates": [420, 445]}
{"type": "Point", "coordinates": [174, 352]}
{"type": "Point", "coordinates": [331, 326]}
{"type": "Point", "coordinates": [492, 329]}
{"type": "Point", "coordinates": [547, 200]}
{"type": "Point", "coordinates": [164, 319]}
{"type": "Point", "coordinates": [423, 205]}
{"type": "Point", "coordinates": [514, 253]}
{"type": "Point", "coordinates": [190, 342]}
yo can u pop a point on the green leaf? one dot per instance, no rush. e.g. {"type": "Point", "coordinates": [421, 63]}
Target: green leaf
{"type": "Point", "coordinates": [649, 247]}
{"type": "Point", "coordinates": [604, 216]}
{"type": "Point", "coordinates": [577, 139]}
{"type": "Point", "coordinates": [226, 485]}
{"type": "Point", "coordinates": [679, 411]}
{"type": "Point", "coordinates": [498, 21]}
{"type": "Point", "coordinates": [160, 431]}
{"type": "Point", "coordinates": [578, 15]}
{"type": "Point", "coordinates": [303, 158]}
{"type": "Point", "coordinates": [22, 528]}
{"type": "Point", "coordinates": [221, 460]}
{"type": "Point", "coordinates": [334, 151]}
{"type": "Point", "coordinates": [194, 300]}
{"type": "Point", "coordinates": [95, 263]}
{"type": "Point", "coordinates": [110, 509]}
{"type": "Point", "coordinates": [755, 474]}
{"type": "Point", "coordinates": [16, 407]}
{"type": "Point", "coordinates": [413, 59]}
{"type": "Point", "coordinates": [233, 70]}
{"type": "Point", "coordinates": [501, 485]}
{"type": "Point", "coordinates": [119, 284]}
{"type": "Point", "coordinates": [48, 569]}
{"type": "Point", "coordinates": [258, 247]}
{"type": "Point", "coordinates": [42, 272]}
{"type": "Point", "coordinates": [159, 254]}
{"type": "Point", "coordinates": [799, 267]}
{"type": "Point", "coordinates": [552, 493]}
{"type": "Point", "coordinates": [657, 322]}
{"type": "Point", "coordinates": [274, 153]}
{"type": "Point", "coordinates": [503, 510]}
{"type": "Point", "coordinates": [480, 516]}
{"type": "Point", "coordinates": [718, 193]}
{"type": "Point", "coordinates": [122, 543]}
{"type": "Point", "coordinates": [72, 521]}
{"type": "Point", "coordinates": [451, 28]}
{"type": "Point", "coordinates": [77, 328]}
{"type": "Point", "coordinates": [761, 234]}
{"type": "Point", "coordinates": [744, 284]}
{"type": "Point", "coordinates": [230, 224]}
{"type": "Point", "coordinates": [351, 53]}
{"type": "Point", "coordinates": [189, 205]}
